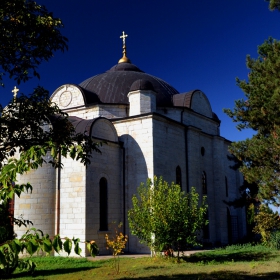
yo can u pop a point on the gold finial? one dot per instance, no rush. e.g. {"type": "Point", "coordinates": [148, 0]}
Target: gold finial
{"type": "Point", "coordinates": [15, 91]}
{"type": "Point", "coordinates": [124, 58]}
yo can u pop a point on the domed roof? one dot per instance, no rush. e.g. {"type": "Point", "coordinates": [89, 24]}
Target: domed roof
{"type": "Point", "coordinates": [114, 85]}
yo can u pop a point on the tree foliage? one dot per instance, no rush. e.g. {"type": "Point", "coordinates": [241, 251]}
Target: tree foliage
{"type": "Point", "coordinates": [29, 35]}
{"type": "Point", "coordinates": [35, 127]}
{"type": "Point", "coordinates": [163, 216]}
{"type": "Point", "coordinates": [249, 199]}
{"type": "Point", "coordinates": [274, 4]}
{"type": "Point", "coordinates": [33, 130]}
{"type": "Point", "coordinates": [266, 221]}
{"type": "Point", "coordinates": [32, 242]}
{"type": "Point", "coordinates": [260, 112]}
{"type": "Point", "coordinates": [116, 245]}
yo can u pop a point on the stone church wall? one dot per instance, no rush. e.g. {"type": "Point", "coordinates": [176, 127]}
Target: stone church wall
{"type": "Point", "coordinates": [137, 148]}
{"type": "Point", "coordinates": [169, 150]}
{"type": "Point", "coordinates": [200, 155]}
{"type": "Point", "coordinates": [172, 145]}
{"type": "Point", "coordinates": [110, 112]}
{"type": "Point", "coordinates": [220, 167]}
{"type": "Point", "coordinates": [190, 118]}
{"type": "Point", "coordinates": [137, 137]}
{"type": "Point", "coordinates": [100, 110]}
{"type": "Point", "coordinates": [207, 125]}
{"type": "Point", "coordinates": [216, 166]}
{"type": "Point", "coordinates": [234, 180]}
{"type": "Point", "coordinates": [107, 165]}
{"type": "Point", "coordinates": [71, 215]}
{"type": "Point", "coordinates": [38, 206]}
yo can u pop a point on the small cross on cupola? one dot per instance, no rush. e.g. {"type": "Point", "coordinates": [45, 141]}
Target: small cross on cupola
{"type": "Point", "coordinates": [123, 37]}
{"type": "Point", "coordinates": [124, 59]}
{"type": "Point", "coordinates": [15, 91]}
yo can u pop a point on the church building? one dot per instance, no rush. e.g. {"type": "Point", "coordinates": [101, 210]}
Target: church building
{"type": "Point", "coordinates": [147, 128]}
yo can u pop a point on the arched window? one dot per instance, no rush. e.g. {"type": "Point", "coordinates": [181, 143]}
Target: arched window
{"type": "Point", "coordinates": [204, 183]}
{"type": "Point", "coordinates": [202, 151]}
{"type": "Point", "coordinates": [103, 204]}
{"type": "Point", "coordinates": [178, 176]}
{"type": "Point", "coordinates": [226, 185]}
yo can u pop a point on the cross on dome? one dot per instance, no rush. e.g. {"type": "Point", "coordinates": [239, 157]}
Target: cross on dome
{"type": "Point", "coordinates": [15, 91]}
{"type": "Point", "coordinates": [124, 59]}
{"type": "Point", "coordinates": [123, 37]}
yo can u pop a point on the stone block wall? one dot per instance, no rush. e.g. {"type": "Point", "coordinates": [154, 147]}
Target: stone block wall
{"type": "Point", "coordinates": [141, 102]}
{"type": "Point", "coordinates": [235, 180]}
{"type": "Point", "coordinates": [38, 206]}
{"type": "Point", "coordinates": [106, 165]}
{"type": "Point", "coordinates": [100, 110]}
{"type": "Point", "coordinates": [71, 213]}
{"type": "Point", "coordinates": [200, 160]}
{"type": "Point", "coordinates": [137, 137]}
{"type": "Point", "coordinates": [169, 150]}
{"type": "Point", "coordinates": [190, 118]}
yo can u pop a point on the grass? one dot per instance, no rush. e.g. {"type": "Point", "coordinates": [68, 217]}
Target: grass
{"type": "Point", "coordinates": [234, 262]}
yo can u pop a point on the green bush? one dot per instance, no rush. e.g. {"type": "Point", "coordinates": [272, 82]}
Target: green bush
{"type": "Point", "coordinates": [164, 217]}
{"type": "Point", "coordinates": [274, 240]}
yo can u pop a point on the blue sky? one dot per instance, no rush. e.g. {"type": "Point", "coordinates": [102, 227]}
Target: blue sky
{"type": "Point", "coordinates": [198, 44]}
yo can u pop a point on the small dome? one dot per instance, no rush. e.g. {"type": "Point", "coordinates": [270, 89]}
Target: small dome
{"type": "Point", "coordinates": [114, 85]}
{"type": "Point", "coordinates": [142, 85]}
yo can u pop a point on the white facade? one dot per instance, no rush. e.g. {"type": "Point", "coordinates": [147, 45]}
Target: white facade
{"type": "Point", "coordinates": [143, 139]}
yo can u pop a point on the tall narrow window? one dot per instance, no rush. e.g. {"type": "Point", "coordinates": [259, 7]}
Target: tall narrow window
{"type": "Point", "coordinates": [178, 176]}
{"type": "Point", "coordinates": [103, 204]}
{"type": "Point", "coordinates": [204, 183]}
{"type": "Point", "coordinates": [226, 184]}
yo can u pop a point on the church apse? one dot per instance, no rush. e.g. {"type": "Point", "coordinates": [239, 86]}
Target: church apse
{"type": "Point", "coordinates": [40, 205]}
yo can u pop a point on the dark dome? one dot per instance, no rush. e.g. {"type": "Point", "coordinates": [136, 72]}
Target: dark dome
{"type": "Point", "coordinates": [114, 85]}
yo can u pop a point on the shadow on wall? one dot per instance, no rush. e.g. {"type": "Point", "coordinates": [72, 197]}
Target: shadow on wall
{"type": "Point", "coordinates": [122, 166]}
{"type": "Point", "coordinates": [135, 173]}
{"type": "Point", "coordinates": [136, 170]}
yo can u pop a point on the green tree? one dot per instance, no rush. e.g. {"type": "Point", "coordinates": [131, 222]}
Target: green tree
{"type": "Point", "coordinates": [163, 216]}
{"type": "Point", "coordinates": [266, 221]}
{"type": "Point", "coordinates": [32, 126]}
{"type": "Point", "coordinates": [248, 198]}
{"type": "Point", "coordinates": [29, 35]}
{"type": "Point", "coordinates": [274, 4]}
{"type": "Point", "coordinates": [260, 112]}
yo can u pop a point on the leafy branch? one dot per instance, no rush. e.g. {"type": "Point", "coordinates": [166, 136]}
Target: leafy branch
{"type": "Point", "coordinates": [34, 241]}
